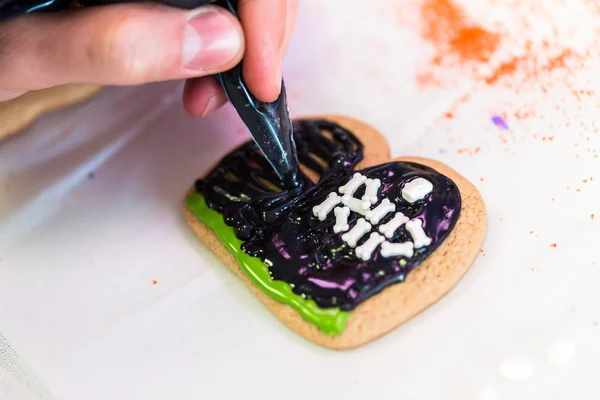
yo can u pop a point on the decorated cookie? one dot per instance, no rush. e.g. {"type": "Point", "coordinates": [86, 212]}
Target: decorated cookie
{"type": "Point", "coordinates": [361, 246]}
{"type": "Point", "coordinates": [18, 113]}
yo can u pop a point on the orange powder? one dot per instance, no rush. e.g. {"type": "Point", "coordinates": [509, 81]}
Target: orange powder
{"type": "Point", "coordinates": [447, 28]}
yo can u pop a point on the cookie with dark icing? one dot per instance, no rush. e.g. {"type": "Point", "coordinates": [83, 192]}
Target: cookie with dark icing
{"type": "Point", "coordinates": [363, 243]}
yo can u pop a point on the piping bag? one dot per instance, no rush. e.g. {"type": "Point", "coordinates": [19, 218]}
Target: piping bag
{"type": "Point", "coordinates": [268, 123]}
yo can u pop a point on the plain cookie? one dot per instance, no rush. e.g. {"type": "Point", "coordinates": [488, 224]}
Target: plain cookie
{"type": "Point", "coordinates": [19, 113]}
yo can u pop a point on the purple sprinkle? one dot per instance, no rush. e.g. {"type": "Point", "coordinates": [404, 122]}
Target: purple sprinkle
{"type": "Point", "coordinates": [500, 123]}
{"type": "Point", "coordinates": [442, 151]}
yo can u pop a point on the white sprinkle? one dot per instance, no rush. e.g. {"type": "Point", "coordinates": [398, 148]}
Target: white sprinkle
{"type": "Point", "coordinates": [397, 249]}
{"type": "Point", "coordinates": [341, 219]}
{"type": "Point", "coordinates": [420, 238]}
{"type": "Point", "coordinates": [322, 210]}
{"type": "Point", "coordinates": [365, 250]}
{"type": "Point", "coordinates": [561, 353]}
{"type": "Point", "coordinates": [356, 205]}
{"type": "Point", "coordinates": [353, 185]}
{"type": "Point", "coordinates": [517, 369]}
{"type": "Point", "coordinates": [416, 190]}
{"type": "Point", "coordinates": [357, 232]}
{"type": "Point", "coordinates": [388, 229]}
{"type": "Point", "coordinates": [378, 213]}
{"type": "Point", "coordinates": [373, 186]}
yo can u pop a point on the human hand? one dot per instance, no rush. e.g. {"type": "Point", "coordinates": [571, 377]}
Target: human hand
{"type": "Point", "coordinates": [128, 44]}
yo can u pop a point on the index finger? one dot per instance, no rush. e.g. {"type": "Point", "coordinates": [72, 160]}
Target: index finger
{"type": "Point", "coordinates": [264, 23]}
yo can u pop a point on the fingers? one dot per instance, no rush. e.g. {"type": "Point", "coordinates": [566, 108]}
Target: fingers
{"type": "Point", "coordinates": [264, 23]}
{"type": "Point", "coordinates": [203, 96]}
{"type": "Point", "coordinates": [291, 12]}
{"type": "Point", "coordinates": [117, 45]}
{"type": "Point", "coordinates": [262, 63]}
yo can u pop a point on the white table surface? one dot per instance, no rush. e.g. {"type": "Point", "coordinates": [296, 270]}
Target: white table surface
{"type": "Point", "coordinates": [90, 216]}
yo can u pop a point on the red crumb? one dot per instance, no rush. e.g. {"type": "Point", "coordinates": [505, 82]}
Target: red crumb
{"type": "Point", "coordinates": [154, 282]}
{"type": "Point", "coordinates": [553, 245]}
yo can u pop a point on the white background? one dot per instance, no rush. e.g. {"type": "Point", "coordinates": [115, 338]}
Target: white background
{"type": "Point", "coordinates": [79, 252]}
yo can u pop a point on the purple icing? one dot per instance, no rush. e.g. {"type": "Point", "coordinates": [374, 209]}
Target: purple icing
{"type": "Point", "coordinates": [278, 225]}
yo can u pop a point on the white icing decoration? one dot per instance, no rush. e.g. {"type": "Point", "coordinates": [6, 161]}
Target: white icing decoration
{"type": "Point", "coordinates": [397, 249]}
{"type": "Point", "coordinates": [357, 232]}
{"type": "Point", "coordinates": [416, 190]}
{"type": "Point", "coordinates": [322, 210]}
{"type": "Point", "coordinates": [388, 229]}
{"type": "Point", "coordinates": [349, 188]}
{"type": "Point", "coordinates": [375, 215]}
{"type": "Point", "coordinates": [365, 250]}
{"type": "Point", "coordinates": [341, 219]}
{"type": "Point", "coordinates": [373, 186]}
{"type": "Point", "coordinates": [415, 228]}
{"type": "Point", "coordinates": [356, 205]}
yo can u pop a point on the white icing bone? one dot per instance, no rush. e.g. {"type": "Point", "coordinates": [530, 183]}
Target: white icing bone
{"type": "Point", "coordinates": [397, 249]}
{"type": "Point", "coordinates": [357, 232]}
{"type": "Point", "coordinates": [341, 219]}
{"type": "Point", "coordinates": [388, 229]}
{"type": "Point", "coordinates": [415, 228]}
{"type": "Point", "coordinates": [373, 186]}
{"type": "Point", "coordinates": [365, 250]}
{"type": "Point", "coordinates": [349, 188]}
{"type": "Point", "coordinates": [322, 210]}
{"type": "Point", "coordinates": [416, 190]}
{"type": "Point", "coordinates": [355, 204]}
{"type": "Point", "coordinates": [375, 215]}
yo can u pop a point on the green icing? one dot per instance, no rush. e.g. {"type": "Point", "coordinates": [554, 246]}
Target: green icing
{"type": "Point", "coordinates": [331, 321]}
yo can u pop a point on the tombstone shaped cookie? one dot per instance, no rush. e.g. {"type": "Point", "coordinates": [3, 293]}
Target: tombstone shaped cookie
{"type": "Point", "coordinates": [361, 246]}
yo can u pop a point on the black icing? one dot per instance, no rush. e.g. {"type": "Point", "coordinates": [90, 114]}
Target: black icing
{"type": "Point", "coordinates": [277, 225]}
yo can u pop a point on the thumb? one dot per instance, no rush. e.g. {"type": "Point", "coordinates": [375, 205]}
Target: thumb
{"type": "Point", "coordinates": [117, 45]}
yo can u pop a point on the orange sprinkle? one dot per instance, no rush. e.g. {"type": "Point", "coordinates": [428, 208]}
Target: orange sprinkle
{"type": "Point", "coordinates": [578, 190]}
{"type": "Point", "coordinates": [449, 115]}
{"type": "Point", "coordinates": [531, 232]}
{"type": "Point", "coordinates": [505, 69]}
{"type": "Point", "coordinates": [154, 282]}
{"type": "Point", "coordinates": [481, 179]}
{"type": "Point", "coordinates": [553, 245]}
{"type": "Point", "coordinates": [585, 181]}
{"type": "Point", "coordinates": [591, 216]}
{"type": "Point", "coordinates": [550, 138]}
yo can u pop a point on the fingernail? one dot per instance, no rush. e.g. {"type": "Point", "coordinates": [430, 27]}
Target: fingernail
{"type": "Point", "coordinates": [211, 40]}
{"type": "Point", "coordinates": [212, 105]}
